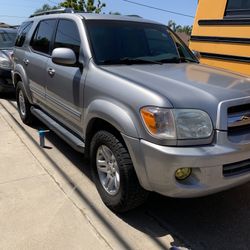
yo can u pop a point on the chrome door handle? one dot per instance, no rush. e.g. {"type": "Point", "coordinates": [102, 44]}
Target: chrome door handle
{"type": "Point", "coordinates": [51, 71]}
{"type": "Point", "coordinates": [26, 61]}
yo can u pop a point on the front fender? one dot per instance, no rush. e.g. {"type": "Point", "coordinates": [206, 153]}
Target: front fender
{"type": "Point", "coordinates": [19, 73]}
{"type": "Point", "coordinates": [117, 116]}
{"type": "Point", "coordinates": [126, 122]}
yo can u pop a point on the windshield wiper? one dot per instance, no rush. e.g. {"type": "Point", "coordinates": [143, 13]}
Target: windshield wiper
{"type": "Point", "coordinates": [177, 60]}
{"type": "Point", "coordinates": [185, 59]}
{"type": "Point", "coordinates": [130, 61]}
{"type": "Point", "coordinates": [140, 60]}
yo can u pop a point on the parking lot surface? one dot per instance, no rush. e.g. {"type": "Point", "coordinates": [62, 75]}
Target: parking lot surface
{"type": "Point", "coordinates": [48, 201]}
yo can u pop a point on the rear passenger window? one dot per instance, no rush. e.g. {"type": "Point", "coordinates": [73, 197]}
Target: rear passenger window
{"type": "Point", "coordinates": [22, 32]}
{"type": "Point", "coordinates": [43, 35]}
{"type": "Point", "coordinates": [67, 36]}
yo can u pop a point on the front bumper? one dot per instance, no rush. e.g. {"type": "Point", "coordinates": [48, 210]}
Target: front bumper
{"type": "Point", "coordinates": [156, 166]}
{"type": "Point", "coordinates": [6, 84]}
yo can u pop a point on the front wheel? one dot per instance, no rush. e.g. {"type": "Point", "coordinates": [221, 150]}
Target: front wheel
{"type": "Point", "coordinates": [114, 174]}
{"type": "Point", "coordinates": [23, 105]}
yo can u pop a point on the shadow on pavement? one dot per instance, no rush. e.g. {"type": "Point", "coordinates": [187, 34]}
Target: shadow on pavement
{"type": "Point", "coordinates": [8, 96]}
{"type": "Point", "coordinates": [220, 221]}
{"type": "Point", "coordinates": [139, 218]}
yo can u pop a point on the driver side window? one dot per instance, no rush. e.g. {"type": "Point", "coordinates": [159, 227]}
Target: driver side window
{"type": "Point", "coordinates": [67, 36]}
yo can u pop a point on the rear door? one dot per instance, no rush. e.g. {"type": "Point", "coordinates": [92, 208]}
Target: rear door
{"type": "Point", "coordinates": [36, 58]}
{"type": "Point", "coordinates": [65, 87]}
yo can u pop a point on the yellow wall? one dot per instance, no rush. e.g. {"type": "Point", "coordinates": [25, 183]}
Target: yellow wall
{"type": "Point", "coordinates": [209, 9]}
{"type": "Point", "coordinates": [238, 67]}
{"type": "Point", "coordinates": [223, 48]}
{"type": "Point", "coordinates": [214, 9]}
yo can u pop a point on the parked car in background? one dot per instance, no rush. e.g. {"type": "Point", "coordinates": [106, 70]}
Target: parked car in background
{"type": "Point", "coordinates": [7, 42]}
{"type": "Point", "coordinates": [129, 94]}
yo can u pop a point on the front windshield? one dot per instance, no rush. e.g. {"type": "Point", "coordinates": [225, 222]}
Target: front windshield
{"type": "Point", "coordinates": [7, 39]}
{"type": "Point", "coordinates": [124, 42]}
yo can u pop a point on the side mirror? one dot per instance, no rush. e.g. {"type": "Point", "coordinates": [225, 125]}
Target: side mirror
{"type": "Point", "coordinates": [64, 56]}
{"type": "Point", "coordinates": [197, 54]}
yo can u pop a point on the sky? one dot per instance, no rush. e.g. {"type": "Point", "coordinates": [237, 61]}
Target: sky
{"type": "Point", "coordinates": [15, 12]}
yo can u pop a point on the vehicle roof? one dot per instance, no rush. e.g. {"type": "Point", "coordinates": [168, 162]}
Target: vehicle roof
{"type": "Point", "coordinates": [93, 16]}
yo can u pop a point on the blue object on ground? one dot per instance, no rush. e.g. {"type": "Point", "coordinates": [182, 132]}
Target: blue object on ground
{"type": "Point", "coordinates": [42, 137]}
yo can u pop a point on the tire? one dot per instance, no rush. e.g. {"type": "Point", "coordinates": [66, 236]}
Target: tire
{"type": "Point", "coordinates": [23, 105]}
{"type": "Point", "coordinates": [125, 193]}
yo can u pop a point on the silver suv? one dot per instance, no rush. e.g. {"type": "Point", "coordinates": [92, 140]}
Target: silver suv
{"type": "Point", "coordinates": [129, 94]}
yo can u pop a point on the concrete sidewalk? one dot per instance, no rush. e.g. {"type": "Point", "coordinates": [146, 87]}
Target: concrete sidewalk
{"type": "Point", "coordinates": [34, 212]}
{"type": "Point", "coordinates": [48, 199]}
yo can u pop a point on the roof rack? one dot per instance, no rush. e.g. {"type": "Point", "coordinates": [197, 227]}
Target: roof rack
{"type": "Point", "coordinates": [55, 11]}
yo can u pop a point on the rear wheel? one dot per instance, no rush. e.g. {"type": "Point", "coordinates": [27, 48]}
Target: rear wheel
{"type": "Point", "coordinates": [23, 105]}
{"type": "Point", "coordinates": [114, 173]}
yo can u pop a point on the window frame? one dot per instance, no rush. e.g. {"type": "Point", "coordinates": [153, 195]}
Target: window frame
{"type": "Point", "coordinates": [55, 32]}
{"type": "Point", "coordinates": [20, 32]}
{"type": "Point", "coordinates": [52, 38]}
{"type": "Point", "coordinates": [236, 13]}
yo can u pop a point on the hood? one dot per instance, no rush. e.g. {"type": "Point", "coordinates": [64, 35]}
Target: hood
{"type": "Point", "coordinates": [187, 85]}
{"type": "Point", "coordinates": [186, 82]}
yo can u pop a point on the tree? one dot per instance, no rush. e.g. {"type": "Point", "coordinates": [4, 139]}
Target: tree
{"type": "Point", "coordinates": [84, 5]}
{"type": "Point", "coordinates": [178, 28]}
{"type": "Point", "coordinates": [172, 25]}
{"type": "Point", "coordinates": [46, 7]}
{"type": "Point", "coordinates": [187, 29]}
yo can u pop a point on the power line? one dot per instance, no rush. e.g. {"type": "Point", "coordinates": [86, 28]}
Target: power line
{"type": "Point", "coordinates": [13, 16]}
{"type": "Point", "coordinates": [155, 8]}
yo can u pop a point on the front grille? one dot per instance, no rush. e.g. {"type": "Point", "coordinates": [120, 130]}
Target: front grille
{"type": "Point", "coordinates": [236, 168]}
{"type": "Point", "coordinates": [239, 119]}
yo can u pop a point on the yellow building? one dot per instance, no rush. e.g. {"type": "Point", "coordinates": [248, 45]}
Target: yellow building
{"type": "Point", "coordinates": [221, 33]}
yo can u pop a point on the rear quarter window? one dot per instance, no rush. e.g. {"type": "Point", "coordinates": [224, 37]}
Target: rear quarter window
{"type": "Point", "coordinates": [22, 33]}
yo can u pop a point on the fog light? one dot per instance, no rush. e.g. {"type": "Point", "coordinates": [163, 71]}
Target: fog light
{"type": "Point", "coordinates": [183, 173]}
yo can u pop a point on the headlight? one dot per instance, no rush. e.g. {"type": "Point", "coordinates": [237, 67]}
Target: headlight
{"type": "Point", "coordinates": [159, 122]}
{"type": "Point", "coordinates": [5, 60]}
{"type": "Point", "coordinates": [177, 123]}
{"type": "Point", "coordinates": [192, 124]}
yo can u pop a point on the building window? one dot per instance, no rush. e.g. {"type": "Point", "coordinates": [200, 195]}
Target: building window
{"type": "Point", "coordinates": [238, 8]}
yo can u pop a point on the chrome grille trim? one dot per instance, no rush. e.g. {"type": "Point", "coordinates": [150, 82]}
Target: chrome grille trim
{"type": "Point", "coordinates": [222, 113]}
{"type": "Point", "coordinates": [238, 119]}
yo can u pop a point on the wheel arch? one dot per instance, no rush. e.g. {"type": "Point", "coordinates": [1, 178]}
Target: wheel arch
{"type": "Point", "coordinates": [19, 75]}
{"type": "Point", "coordinates": [103, 115]}
{"type": "Point", "coordinates": [110, 115]}
{"type": "Point", "coordinates": [96, 124]}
